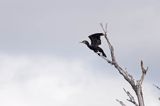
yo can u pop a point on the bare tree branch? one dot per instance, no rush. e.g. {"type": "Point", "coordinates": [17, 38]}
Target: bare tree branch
{"type": "Point", "coordinates": [124, 73]}
{"type": "Point", "coordinates": [137, 86]}
{"type": "Point", "coordinates": [131, 98]}
{"type": "Point", "coordinates": [144, 71]}
{"type": "Point", "coordinates": [158, 89]}
{"type": "Point", "coordinates": [121, 102]}
{"type": "Point", "coordinates": [156, 86]}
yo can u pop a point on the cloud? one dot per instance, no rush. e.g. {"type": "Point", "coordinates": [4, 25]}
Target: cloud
{"type": "Point", "coordinates": [48, 81]}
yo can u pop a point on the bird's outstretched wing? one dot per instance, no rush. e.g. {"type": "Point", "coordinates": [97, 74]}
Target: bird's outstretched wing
{"type": "Point", "coordinates": [95, 39]}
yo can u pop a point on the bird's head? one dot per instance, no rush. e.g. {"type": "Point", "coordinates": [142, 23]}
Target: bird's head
{"type": "Point", "coordinates": [85, 42]}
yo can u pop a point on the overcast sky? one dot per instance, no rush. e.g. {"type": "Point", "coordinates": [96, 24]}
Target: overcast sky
{"type": "Point", "coordinates": [42, 62]}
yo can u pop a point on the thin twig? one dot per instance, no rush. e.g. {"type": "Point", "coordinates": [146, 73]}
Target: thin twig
{"type": "Point", "coordinates": [131, 98]}
{"type": "Point", "coordinates": [158, 89]}
{"type": "Point", "coordinates": [121, 102]}
{"type": "Point", "coordinates": [156, 86]}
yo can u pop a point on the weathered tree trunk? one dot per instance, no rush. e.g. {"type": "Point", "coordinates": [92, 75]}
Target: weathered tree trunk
{"type": "Point", "coordinates": [139, 94]}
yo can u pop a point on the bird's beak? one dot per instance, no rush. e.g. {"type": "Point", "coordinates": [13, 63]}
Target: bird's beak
{"type": "Point", "coordinates": [81, 42]}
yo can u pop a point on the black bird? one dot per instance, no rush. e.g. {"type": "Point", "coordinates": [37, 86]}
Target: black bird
{"type": "Point", "coordinates": [95, 42]}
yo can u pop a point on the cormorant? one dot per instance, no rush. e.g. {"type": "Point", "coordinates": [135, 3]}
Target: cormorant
{"type": "Point", "coordinates": [95, 42]}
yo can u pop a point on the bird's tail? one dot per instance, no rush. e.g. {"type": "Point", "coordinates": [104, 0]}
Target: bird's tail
{"type": "Point", "coordinates": [104, 54]}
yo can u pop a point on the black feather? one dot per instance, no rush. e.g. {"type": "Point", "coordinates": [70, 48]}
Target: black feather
{"type": "Point", "coordinates": [95, 39]}
{"type": "Point", "coordinates": [95, 42]}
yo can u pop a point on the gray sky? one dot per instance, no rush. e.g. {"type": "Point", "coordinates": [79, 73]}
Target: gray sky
{"type": "Point", "coordinates": [43, 63]}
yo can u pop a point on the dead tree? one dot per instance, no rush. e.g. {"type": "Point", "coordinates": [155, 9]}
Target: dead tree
{"type": "Point", "coordinates": [135, 84]}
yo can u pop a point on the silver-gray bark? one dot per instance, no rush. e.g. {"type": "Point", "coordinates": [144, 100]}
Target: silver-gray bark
{"type": "Point", "coordinates": [135, 84]}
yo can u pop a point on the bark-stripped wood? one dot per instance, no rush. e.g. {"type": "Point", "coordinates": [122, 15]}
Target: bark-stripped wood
{"type": "Point", "coordinates": [135, 84]}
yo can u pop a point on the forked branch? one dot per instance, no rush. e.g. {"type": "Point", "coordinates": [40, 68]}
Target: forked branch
{"type": "Point", "coordinates": [131, 98]}
{"type": "Point", "coordinates": [136, 85]}
{"type": "Point", "coordinates": [144, 71]}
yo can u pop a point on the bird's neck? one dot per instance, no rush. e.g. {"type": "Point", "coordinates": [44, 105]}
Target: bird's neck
{"type": "Point", "coordinates": [88, 45]}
